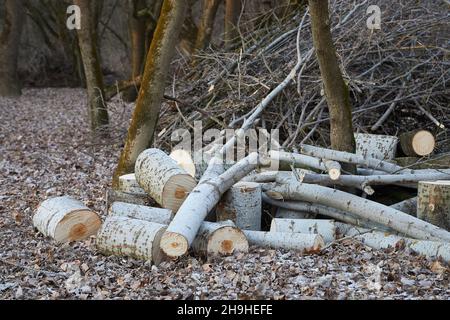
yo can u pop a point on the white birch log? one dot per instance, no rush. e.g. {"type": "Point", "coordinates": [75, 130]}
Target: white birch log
{"type": "Point", "coordinates": [156, 215]}
{"type": "Point", "coordinates": [125, 236]}
{"type": "Point", "coordinates": [219, 239]}
{"type": "Point", "coordinates": [128, 184]}
{"type": "Point", "coordinates": [417, 143]}
{"type": "Point", "coordinates": [66, 219]}
{"type": "Point", "coordinates": [376, 146]}
{"type": "Point", "coordinates": [119, 196]}
{"type": "Point", "coordinates": [325, 228]}
{"type": "Point", "coordinates": [162, 179]}
{"type": "Point", "coordinates": [242, 204]}
{"type": "Point", "coordinates": [373, 211]}
{"type": "Point", "coordinates": [333, 168]}
{"type": "Point", "coordinates": [182, 230]}
{"type": "Point", "coordinates": [379, 240]}
{"type": "Point", "coordinates": [184, 161]}
{"type": "Point", "coordinates": [283, 213]}
{"type": "Point", "coordinates": [408, 206]}
{"type": "Point", "coordinates": [307, 243]}
{"type": "Point", "coordinates": [433, 204]}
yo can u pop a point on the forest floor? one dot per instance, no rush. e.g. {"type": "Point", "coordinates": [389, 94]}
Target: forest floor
{"type": "Point", "coordinates": [46, 150]}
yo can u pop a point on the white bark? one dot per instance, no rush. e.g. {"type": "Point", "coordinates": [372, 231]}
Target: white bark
{"type": "Point", "coordinates": [408, 206]}
{"type": "Point", "coordinates": [243, 205]}
{"type": "Point", "coordinates": [66, 219]}
{"type": "Point", "coordinates": [124, 236]}
{"type": "Point", "coordinates": [184, 227]}
{"type": "Point", "coordinates": [219, 239]}
{"type": "Point", "coordinates": [128, 184]}
{"type": "Point", "coordinates": [184, 161]}
{"type": "Point", "coordinates": [379, 240]}
{"type": "Point", "coordinates": [433, 204]}
{"type": "Point", "coordinates": [364, 208]}
{"type": "Point", "coordinates": [308, 243]}
{"type": "Point", "coordinates": [119, 196]}
{"type": "Point", "coordinates": [162, 179]}
{"type": "Point", "coordinates": [376, 146]}
{"type": "Point", "coordinates": [157, 215]}
{"type": "Point", "coordinates": [283, 213]}
{"type": "Point", "coordinates": [325, 228]}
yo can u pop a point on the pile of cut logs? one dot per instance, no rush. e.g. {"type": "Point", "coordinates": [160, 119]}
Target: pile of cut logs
{"type": "Point", "coordinates": [313, 203]}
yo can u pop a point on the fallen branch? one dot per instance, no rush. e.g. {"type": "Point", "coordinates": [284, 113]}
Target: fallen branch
{"type": "Point", "coordinates": [307, 243]}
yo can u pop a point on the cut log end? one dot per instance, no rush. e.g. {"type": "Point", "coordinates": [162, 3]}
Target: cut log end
{"type": "Point", "coordinates": [176, 190]}
{"type": "Point", "coordinates": [226, 241]}
{"type": "Point", "coordinates": [334, 174]}
{"type": "Point", "coordinates": [174, 245]}
{"type": "Point", "coordinates": [77, 225]}
{"type": "Point", "coordinates": [417, 143]}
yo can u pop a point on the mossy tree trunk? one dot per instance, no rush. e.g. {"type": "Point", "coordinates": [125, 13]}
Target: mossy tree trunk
{"type": "Point", "coordinates": [146, 113]}
{"type": "Point", "coordinates": [232, 12]}
{"type": "Point", "coordinates": [336, 90]}
{"type": "Point", "coordinates": [9, 48]}
{"type": "Point", "coordinates": [206, 23]}
{"type": "Point", "coordinates": [87, 40]}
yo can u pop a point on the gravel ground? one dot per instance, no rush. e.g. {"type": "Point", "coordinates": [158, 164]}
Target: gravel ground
{"type": "Point", "coordinates": [46, 150]}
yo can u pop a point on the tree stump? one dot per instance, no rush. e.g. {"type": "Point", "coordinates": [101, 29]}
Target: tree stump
{"type": "Point", "coordinates": [376, 146]}
{"type": "Point", "coordinates": [417, 143]}
{"type": "Point", "coordinates": [433, 204]}
{"type": "Point", "coordinates": [156, 215]}
{"type": "Point", "coordinates": [66, 219]}
{"type": "Point", "coordinates": [242, 204]}
{"type": "Point", "coordinates": [163, 179]}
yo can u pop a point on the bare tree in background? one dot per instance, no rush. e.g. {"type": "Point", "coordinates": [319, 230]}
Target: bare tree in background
{"type": "Point", "coordinates": [232, 12]}
{"type": "Point", "coordinates": [336, 90]}
{"type": "Point", "coordinates": [87, 40]}
{"type": "Point", "coordinates": [146, 113]}
{"type": "Point", "coordinates": [205, 29]}
{"type": "Point", "coordinates": [9, 48]}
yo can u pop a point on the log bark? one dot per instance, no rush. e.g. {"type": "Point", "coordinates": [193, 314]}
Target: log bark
{"type": "Point", "coordinates": [325, 228]}
{"type": "Point", "coordinates": [184, 161]}
{"type": "Point", "coordinates": [379, 240]}
{"type": "Point", "coordinates": [10, 85]}
{"type": "Point", "coordinates": [133, 198]}
{"type": "Point", "coordinates": [408, 206]}
{"type": "Point", "coordinates": [417, 143]}
{"type": "Point", "coordinates": [87, 41]}
{"type": "Point", "coordinates": [162, 179]}
{"type": "Point", "coordinates": [129, 184]}
{"type": "Point", "coordinates": [206, 23]}
{"type": "Point", "coordinates": [139, 212]}
{"type": "Point", "coordinates": [440, 161]}
{"type": "Point", "coordinates": [306, 243]}
{"type": "Point", "coordinates": [146, 112]}
{"type": "Point", "coordinates": [219, 239]}
{"type": "Point", "coordinates": [336, 90]}
{"type": "Point", "coordinates": [376, 146]}
{"type": "Point", "coordinates": [242, 204]}
{"type": "Point", "coordinates": [66, 219]}
{"type": "Point", "coordinates": [373, 211]}
{"type": "Point", "coordinates": [124, 236]}
{"type": "Point", "coordinates": [283, 213]}
{"type": "Point", "coordinates": [182, 230]}
{"type": "Point", "coordinates": [433, 203]}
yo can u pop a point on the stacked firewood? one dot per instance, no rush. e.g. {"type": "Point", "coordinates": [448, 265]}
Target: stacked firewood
{"type": "Point", "coordinates": [314, 203]}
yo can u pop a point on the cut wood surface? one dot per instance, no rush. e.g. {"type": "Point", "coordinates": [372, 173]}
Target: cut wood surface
{"type": "Point", "coordinates": [182, 230]}
{"type": "Point", "coordinates": [128, 184]}
{"type": "Point", "coordinates": [433, 204]}
{"type": "Point", "coordinates": [417, 143]}
{"type": "Point", "coordinates": [325, 228]}
{"type": "Point", "coordinates": [157, 215]}
{"type": "Point", "coordinates": [184, 161]}
{"type": "Point", "coordinates": [163, 179]}
{"type": "Point", "coordinates": [376, 146]}
{"type": "Point", "coordinates": [373, 211]}
{"type": "Point", "coordinates": [379, 240]}
{"type": "Point", "coordinates": [125, 236]}
{"type": "Point", "coordinates": [66, 219]}
{"type": "Point", "coordinates": [243, 205]}
{"type": "Point", "coordinates": [219, 239]}
{"type": "Point", "coordinates": [333, 168]}
{"type": "Point", "coordinates": [308, 243]}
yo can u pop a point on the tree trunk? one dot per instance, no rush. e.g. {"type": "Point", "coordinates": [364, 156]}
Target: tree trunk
{"type": "Point", "coordinates": [156, 215]}
{"type": "Point", "coordinates": [417, 143]}
{"type": "Point", "coordinates": [243, 205]}
{"type": "Point", "coordinates": [376, 146]}
{"type": "Point", "coordinates": [130, 237]}
{"type": "Point", "coordinates": [87, 40]}
{"type": "Point", "coordinates": [325, 228]}
{"type": "Point", "coordinates": [232, 12]}
{"type": "Point", "coordinates": [206, 23]}
{"type": "Point", "coordinates": [433, 204]}
{"type": "Point", "coordinates": [9, 48]}
{"type": "Point", "coordinates": [65, 219]}
{"type": "Point", "coordinates": [307, 243]}
{"type": "Point", "coordinates": [146, 113]}
{"type": "Point", "coordinates": [336, 90]}
{"type": "Point", "coordinates": [162, 179]}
